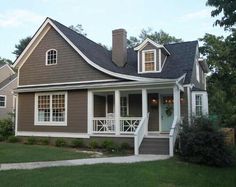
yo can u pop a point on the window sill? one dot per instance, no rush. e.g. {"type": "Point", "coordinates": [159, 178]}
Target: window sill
{"type": "Point", "coordinates": [51, 124]}
{"type": "Point", "coordinates": [145, 72]}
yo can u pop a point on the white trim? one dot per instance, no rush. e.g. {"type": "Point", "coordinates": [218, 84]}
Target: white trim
{"type": "Point", "coordinates": [5, 101]}
{"type": "Point", "coordinates": [9, 67]}
{"type": "Point", "coordinates": [204, 102]}
{"type": "Point", "coordinates": [139, 71]}
{"type": "Point", "coordinates": [90, 112]}
{"type": "Point", "coordinates": [63, 83]}
{"type": "Point", "coordinates": [117, 112]}
{"type": "Point", "coordinates": [46, 57]}
{"type": "Point", "coordinates": [119, 75]}
{"type": "Point", "coordinates": [49, 123]}
{"type": "Point", "coordinates": [16, 118]}
{"type": "Point", "coordinates": [142, 45]}
{"type": "Point", "coordinates": [145, 106]}
{"type": "Point", "coordinates": [52, 134]}
{"type": "Point", "coordinates": [160, 112]}
{"type": "Point", "coordinates": [189, 104]}
{"type": "Point", "coordinates": [197, 71]}
{"type": "Point", "coordinates": [3, 66]}
{"type": "Point", "coordinates": [8, 83]}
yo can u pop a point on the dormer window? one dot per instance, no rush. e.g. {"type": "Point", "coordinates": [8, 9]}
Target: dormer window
{"type": "Point", "coordinates": [51, 57]}
{"type": "Point", "coordinates": [151, 57]}
{"type": "Point", "coordinates": [149, 60]}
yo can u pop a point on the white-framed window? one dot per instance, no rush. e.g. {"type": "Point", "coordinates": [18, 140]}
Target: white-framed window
{"type": "Point", "coordinates": [51, 109]}
{"type": "Point", "coordinates": [3, 99]}
{"type": "Point", "coordinates": [124, 106]}
{"type": "Point", "coordinates": [149, 60]}
{"type": "Point", "coordinates": [51, 57]}
{"type": "Point", "coordinates": [197, 72]}
{"type": "Point", "coordinates": [198, 104]}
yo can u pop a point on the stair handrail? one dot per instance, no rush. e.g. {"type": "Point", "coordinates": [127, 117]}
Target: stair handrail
{"type": "Point", "coordinates": [139, 133]}
{"type": "Point", "coordinates": [173, 135]}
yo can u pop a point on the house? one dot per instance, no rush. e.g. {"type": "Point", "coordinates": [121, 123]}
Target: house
{"type": "Point", "coordinates": [69, 86]}
{"type": "Point", "coordinates": [8, 82]}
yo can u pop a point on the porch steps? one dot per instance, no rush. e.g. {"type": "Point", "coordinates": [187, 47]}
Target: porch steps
{"type": "Point", "coordinates": [158, 146]}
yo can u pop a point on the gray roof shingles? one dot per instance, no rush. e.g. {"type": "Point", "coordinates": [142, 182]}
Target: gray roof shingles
{"type": "Point", "coordinates": [180, 61]}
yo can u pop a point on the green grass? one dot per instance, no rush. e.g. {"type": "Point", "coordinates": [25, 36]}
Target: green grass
{"type": "Point", "coordinates": [167, 173]}
{"type": "Point", "coordinates": [13, 153]}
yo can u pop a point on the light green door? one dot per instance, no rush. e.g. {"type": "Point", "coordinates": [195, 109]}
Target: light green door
{"type": "Point", "coordinates": [167, 115]}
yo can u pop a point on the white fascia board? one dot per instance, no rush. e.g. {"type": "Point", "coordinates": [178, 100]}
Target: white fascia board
{"type": "Point", "coordinates": [98, 86]}
{"type": "Point", "coordinates": [8, 83]}
{"type": "Point", "coordinates": [142, 45]}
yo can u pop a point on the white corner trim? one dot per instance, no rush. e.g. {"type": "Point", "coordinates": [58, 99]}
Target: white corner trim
{"type": "Point", "coordinates": [52, 134]}
{"type": "Point", "coordinates": [8, 83]}
{"type": "Point", "coordinates": [16, 113]}
{"type": "Point", "coordinates": [143, 61]}
{"type": "Point", "coordinates": [204, 102]}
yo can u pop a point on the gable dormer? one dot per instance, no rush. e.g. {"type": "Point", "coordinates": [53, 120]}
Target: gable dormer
{"type": "Point", "coordinates": [151, 57]}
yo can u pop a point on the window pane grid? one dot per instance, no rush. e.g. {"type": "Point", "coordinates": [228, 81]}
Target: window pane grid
{"type": "Point", "coordinates": [51, 57]}
{"type": "Point", "coordinates": [149, 61]}
{"type": "Point", "coordinates": [44, 108]}
{"type": "Point", "coordinates": [2, 101]}
{"type": "Point", "coordinates": [58, 108]}
{"type": "Point", "coordinates": [123, 106]}
{"type": "Point", "coordinates": [198, 105]}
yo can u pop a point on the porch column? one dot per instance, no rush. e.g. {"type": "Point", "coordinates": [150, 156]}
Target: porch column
{"type": "Point", "coordinates": [117, 112]}
{"type": "Point", "coordinates": [90, 111]}
{"type": "Point", "coordinates": [145, 106]}
{"type": "Point", "coordinates": [176, 96]}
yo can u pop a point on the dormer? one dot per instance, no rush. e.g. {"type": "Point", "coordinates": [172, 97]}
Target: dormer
{"type": "Point", "coordinates": [151, 56]}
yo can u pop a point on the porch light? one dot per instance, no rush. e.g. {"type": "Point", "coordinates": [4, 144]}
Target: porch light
{"type": "Point", "coordinates": [154, 102]}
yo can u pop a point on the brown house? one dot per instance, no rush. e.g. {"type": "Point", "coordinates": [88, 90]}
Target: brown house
{"type": "Point", "coordinates": [69, 86]}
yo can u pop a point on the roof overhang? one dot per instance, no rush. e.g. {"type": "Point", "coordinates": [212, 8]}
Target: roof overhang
{"type": "Point", "coordinates": [204, 65]}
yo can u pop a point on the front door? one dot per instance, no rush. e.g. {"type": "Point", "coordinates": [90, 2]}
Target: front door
{"type": "Point", "coordinates": [167, 111]}
{"type": "Point", "coordinates": [153, 109]}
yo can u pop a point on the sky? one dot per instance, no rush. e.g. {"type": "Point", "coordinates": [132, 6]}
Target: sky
{"type": "Point", "coordinates": [185, 19]}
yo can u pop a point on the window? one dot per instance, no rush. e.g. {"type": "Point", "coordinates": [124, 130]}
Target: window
{"type": "Point", "coordinates": [51, 57]}
{"type": "Point", "coordinates": [2, 101]}
{"type": "Point", "coordinates": [198, 104]}
{"type": "Point", "coordinates": [51, 109]}
{"type": "Point", "coordinates": [124, 106]}
{"type": "Point", "coordinates": [197, 72]}
{"type": "Point", "coordinates": [149, 60]}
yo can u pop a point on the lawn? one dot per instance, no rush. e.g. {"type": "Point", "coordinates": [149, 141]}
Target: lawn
{"type": "Point", "coordinates": [11, 153]}
{"type": "Point", "coordinates": [167, 173]}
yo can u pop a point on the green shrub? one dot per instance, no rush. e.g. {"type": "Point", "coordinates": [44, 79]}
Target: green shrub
{"type": "Point", "coordinates": [124, 146]}
{"type": "Point", "coordinates": [76, 143]}
{"type": "Point", "coordinates": [2, 138]}
{"type": "Point", "coordinates": [93, 144]}
{"type": "Point", "coordinates": [110, 146]}
{"type": "Point", "coordinates": [6, 127]}
{"type": "Point", "coordinates": [13, 139]}
{"type": "Point", "coordinates": [203, 143]}
{"type": "Point", "coordinates": [44, 141]}
{"type": "Point", "coordinates": [31, 140]}
{"type": "Point", "coordinates": [60, 142]}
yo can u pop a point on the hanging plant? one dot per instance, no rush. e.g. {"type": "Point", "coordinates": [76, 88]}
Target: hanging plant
{"type": "Point", "coordinates": [169, 110]}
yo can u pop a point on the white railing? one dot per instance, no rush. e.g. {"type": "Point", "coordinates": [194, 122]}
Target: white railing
{"type": "Point", "coordinates": [103, 125]}
{"type": "Point", "coordinates": [129, 124]}
{"type": "Point", "coordinates": [173, 135]}
{"type": "Point", "coordinates": [139, 133]}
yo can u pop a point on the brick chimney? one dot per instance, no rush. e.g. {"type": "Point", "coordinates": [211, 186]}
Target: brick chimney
{"type": "Point", "coordinates": [119, 47]}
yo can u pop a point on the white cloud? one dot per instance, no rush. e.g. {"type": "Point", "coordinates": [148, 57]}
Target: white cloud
{"type": "Point", "coordinates": [15, 18]}
{"type": "Point", "coordinates": [202, 14]}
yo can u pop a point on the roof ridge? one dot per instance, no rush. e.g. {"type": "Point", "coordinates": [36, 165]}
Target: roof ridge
{"type": "Point", "coordinates": [181, 42]}
{"type": "Point", "coordinates": [79, 34]}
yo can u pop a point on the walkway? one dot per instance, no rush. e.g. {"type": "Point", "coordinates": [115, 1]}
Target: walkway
{"type": "Point", "coordinates": [78, 162]}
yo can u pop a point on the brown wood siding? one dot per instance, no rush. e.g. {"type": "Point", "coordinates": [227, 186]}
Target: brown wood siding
{"type": "Point", "coordinates": [70, 65]}
{"type": "Point", "coordinates": [148, 47]}
{"type": "Point", "coordinates": [76, 119]}
{"type": "Point", "coordinates": [135, 105]}
{"type": "Point", "coordinates": [99, 106]}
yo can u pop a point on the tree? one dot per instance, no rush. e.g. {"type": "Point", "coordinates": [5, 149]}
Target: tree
{"type": "Point", "coordinates": [79, 29]}
{"type": "Point", "coordinates": [228, 8]}
{"type": "Point", "coordinates": [5, 61]}
{"type": "Point", "coordinates": [21, 46]}
{"type": "Point", "coordinates": [160, 37]}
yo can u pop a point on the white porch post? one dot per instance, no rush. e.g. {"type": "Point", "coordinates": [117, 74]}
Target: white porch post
{"type": "Point", "coordinates": [90, 111]}
{"type": "Point", "coordinates": [176, 96]}
{"type": "Point", "coordinates": [117, 112]}
{"type": "Point", "coordinates": [145, 106]}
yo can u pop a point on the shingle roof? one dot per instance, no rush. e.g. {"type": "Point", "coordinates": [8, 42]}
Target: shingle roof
{"type": "Point", "coordinates": [178, 63]}
{"type": "Point", "coordinates": [7, 80]}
